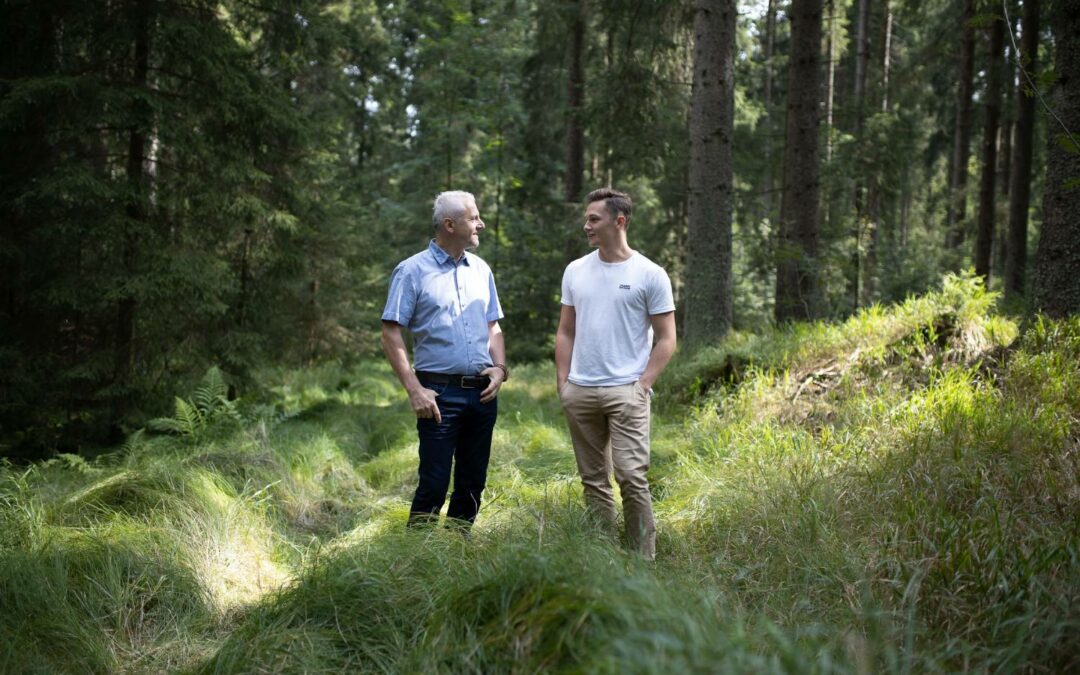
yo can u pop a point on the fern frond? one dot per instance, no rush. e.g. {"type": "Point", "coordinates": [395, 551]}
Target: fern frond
{"type": "Point", "coordinates": [186, 421]}
{"type": "Point", "coordinates": [214, 381]}
{"type": "Point", "coordinates": [135, 441]}
{"type": "Point", "coordinates": [202, 399]}
{"type": "Point", "coordinates": [189, 416]}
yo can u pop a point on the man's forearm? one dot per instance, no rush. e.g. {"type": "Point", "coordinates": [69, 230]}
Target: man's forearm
{"type": "Point", "coordinates": [664, 328]}
{"type": "Point", "coordinates": [394, 348]}
{"type": "Point", "coordinates": [496, 344]}
{"type": "Point", "coordinates": [659, 357]}
{"type": "Point", "coordinates": [564, 343]}
{"type": "Point", "coordinates": [564, 348]}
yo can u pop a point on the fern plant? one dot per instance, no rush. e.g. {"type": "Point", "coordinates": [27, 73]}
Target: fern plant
{"type": "Point", "coordinates": [207, 407]}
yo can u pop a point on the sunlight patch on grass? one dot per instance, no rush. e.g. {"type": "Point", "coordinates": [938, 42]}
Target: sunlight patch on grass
{"type": "Point", "coordinates": [233, 550]}
{"type": "Point", "coordinates": [894, 493]}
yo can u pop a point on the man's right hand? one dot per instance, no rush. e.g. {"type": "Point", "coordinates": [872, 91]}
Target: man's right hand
{"type": "Point", "coordinates": [424, 405]}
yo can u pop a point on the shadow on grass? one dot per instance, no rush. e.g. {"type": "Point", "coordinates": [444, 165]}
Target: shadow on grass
{"type": "Point", "coordinates": [362, 431]}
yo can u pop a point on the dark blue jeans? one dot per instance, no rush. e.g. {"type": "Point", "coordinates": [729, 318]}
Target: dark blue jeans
{"type": "Point", "coordinates": [462, 441]}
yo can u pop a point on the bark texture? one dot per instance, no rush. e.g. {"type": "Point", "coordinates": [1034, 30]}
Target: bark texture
{"type": "Point", "coordinates": [575, 102]}
{"type": "Point", "coordinates": [1056, 288]}
{"type": "Point", "coordinates": [955, 216]}
{"type": "Point", "coordinates": [1020, 172]}
{"type": "Point", "coordinates": [708, 268]}
{"type": "Point", "coordinates": [984, 234]}
{"type": "Point", "coordinates": [797, 250]}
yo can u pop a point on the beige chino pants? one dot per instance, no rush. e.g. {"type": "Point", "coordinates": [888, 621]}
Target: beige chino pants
{"type": "Point", "coordinates": [609, 427]}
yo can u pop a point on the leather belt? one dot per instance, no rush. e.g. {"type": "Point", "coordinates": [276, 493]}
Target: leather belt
{"type": "Point", "coordinates": [463, 381]}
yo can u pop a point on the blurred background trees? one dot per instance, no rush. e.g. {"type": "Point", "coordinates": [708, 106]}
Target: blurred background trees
{"type": "Point", "coordinates": [193, 183]}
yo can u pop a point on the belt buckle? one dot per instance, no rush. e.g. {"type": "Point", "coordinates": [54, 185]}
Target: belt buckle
{"type": "Point", "coordinates": [462, 384]}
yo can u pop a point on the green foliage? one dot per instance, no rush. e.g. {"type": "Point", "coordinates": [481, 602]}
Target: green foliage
{"type": "Point", "coordinates": [895, 493]}
{"type": "Point", "coordinates": [246, 203]}
{"type": "Point", "coordinates": [956, 316]}
{"type": "Point", "coordinates": [208, 407]}
{"type": "Point", "coordinates": [92, 602]}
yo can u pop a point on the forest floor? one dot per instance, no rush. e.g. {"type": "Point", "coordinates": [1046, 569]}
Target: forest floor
{"type": "Point", "coordinates": [899, 492]}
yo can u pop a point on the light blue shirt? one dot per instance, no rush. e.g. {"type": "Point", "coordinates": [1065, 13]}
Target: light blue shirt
{"type": "Point", "coordinates": [447, 307]}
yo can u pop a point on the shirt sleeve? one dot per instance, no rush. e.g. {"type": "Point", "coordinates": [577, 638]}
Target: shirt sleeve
{"type": "Point", "coordinates": [567, 293]}
{"type": "Point", "coordinates": [661, 299]}
{"type": "Point", "coordinates": [494, 309]}
{"type": "Point", "coordinates": [401, 298]}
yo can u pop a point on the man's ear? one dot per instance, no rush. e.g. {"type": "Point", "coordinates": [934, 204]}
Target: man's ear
{"type": "Point", "coordinates": [620, 220]}
{"type": "Point", "coordinates": [448, 224]}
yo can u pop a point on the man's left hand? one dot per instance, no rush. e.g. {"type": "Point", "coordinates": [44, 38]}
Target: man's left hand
{"type": "Point", "coordinates": [492, 390]}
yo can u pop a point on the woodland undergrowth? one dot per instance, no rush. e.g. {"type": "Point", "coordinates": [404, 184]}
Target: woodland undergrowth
{"type": "Point", "coordinates": [899, 492]}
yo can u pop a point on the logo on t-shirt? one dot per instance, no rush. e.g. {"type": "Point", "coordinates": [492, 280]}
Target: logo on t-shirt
{"type": "Point", "coordinates": [624, 287]}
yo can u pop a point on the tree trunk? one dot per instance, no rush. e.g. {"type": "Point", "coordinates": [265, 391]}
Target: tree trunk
{"type": "Point", "coordinates": [862, 48]}
{"type": "Point", "coordinates": [830, 81]}
{"type": "Point", "coordinates": [1006, 130]}
{"type": "Point", "coordinates": [955, 214]}
{"type": "Point", "coordinates": [1020, 173]}
{"type": "Point", "coordinates": [1056, 287]}
{"type": "Point", "coordinates": [797, 250]}
{"type": "Point", "coordinates": [134, 210]}
{"type": "Point", "coordinates": [905, 211]}
{"type": "Point", "coordinates": [886, 58]}
{"type": "Point", "coordinates": [766, 144]}
{"type": "Point", "coordinates": [708, 267]}
{"type": "Point", "coordinates": [575, 100]}
{"type": "Point", "coordinates": [770, 41]}
{"type": "Point", "coordinates": [984, 237]}
{"type": "Point", "coordinates": [862, 53]}
{"type": "Point", "coordinates": [874, 196]}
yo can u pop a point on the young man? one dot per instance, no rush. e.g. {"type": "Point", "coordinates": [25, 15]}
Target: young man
{"type": "Point", "coordinates": [446, 298]}
{"type": "Point", "coordinates": [614, 301]}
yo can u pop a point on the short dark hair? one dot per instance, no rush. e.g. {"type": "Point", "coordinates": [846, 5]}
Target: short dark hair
{"type": "Point", "coordinates": [616, 202]}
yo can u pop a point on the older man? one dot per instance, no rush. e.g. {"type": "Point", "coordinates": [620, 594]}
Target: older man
{"type": "Point", "coordinates": [614, 302]}
{"type": "Point", "coordinates": [445, 297]}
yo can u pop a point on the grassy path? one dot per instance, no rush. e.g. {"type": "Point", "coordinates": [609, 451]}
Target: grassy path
{"type": "Point", "coordinates": [898, 493]}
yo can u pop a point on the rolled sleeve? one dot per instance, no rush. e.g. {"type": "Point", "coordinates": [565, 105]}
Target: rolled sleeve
{"type": "Point", "coordinates": [494, 309]}
{"type": "Point", "coordinates": [401, 298]}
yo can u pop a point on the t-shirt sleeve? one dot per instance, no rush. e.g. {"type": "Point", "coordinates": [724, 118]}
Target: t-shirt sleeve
{"type": "Point", "coordinates": [494, 309]}
{"type": "Point", "coordinates": [401, 298]}
{"type": "Point", "coordinates": [661, 299]}
{"type": "Point", "coordinates": [567, 294]}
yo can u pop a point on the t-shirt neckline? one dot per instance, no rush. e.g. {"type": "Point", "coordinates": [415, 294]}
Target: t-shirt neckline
{"type": "Point", "coordinates": [633, 254]}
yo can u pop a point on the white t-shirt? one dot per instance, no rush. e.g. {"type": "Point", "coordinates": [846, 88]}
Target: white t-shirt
{"type": "Point", "coordinates": [613, 303]}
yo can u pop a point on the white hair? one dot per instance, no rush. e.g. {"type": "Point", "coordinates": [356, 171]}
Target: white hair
{"type": "Point", "coordinates": [450, 204]}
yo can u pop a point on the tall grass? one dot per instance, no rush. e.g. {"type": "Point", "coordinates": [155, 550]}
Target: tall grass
{"type": "Point", "coordinates": [896, 493]}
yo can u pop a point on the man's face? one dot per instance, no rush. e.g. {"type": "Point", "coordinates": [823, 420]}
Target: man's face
{"type": "Point", "coordinates": [467, 226]}
{"type": "Point", "coordinates": [600, 227]}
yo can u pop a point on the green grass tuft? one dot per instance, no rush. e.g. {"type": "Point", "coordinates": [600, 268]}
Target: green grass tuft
{"type": "Point", "coordinates": [895, 493]}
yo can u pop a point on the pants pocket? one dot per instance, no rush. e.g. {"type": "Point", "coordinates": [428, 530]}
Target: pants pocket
{"type": "Point", "coordinates": [637, 402]}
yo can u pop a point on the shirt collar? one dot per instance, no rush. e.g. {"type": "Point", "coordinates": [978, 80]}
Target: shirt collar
{"type": "Point", "coordinates": [442, 257]}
